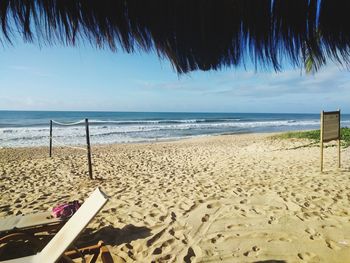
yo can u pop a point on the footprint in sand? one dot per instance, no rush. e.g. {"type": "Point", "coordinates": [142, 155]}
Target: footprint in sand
{"type": "Point", "coordinates": [205, 218]}
{"type": "Point", "coordinates": [253, 252]}
{"type": "Point", "coordinates": [316, 236]}
{"type": "Point", "coordinates": [272, 220]}
{"type": "Point", "coordinates": [172, 232]}
{"type": "Point", "coordinates": [173, 217]}
{"type": "Point", "coordinates": [325, 226]}
{"type": "Point", "coordinates": [159, 250]}
{"type": "Point", "coordinates": [310, 231]}
{"type": "Point", "coordinates": [189, 256]}
{"type": "Point", "coordinates": [307, 256]}
{"type": "Point", "coordinates": [213, 205]}
{"type": "Point", "coordinates": [244, 201]}
{"type": "Point", "coordinates": [216, 238]}
{"type": "Point", "coordinates": [162, 218]}
{"type": "Point", "coordinates": [332, 245]}
{"type": "Point", "coordinates": [283, 239]}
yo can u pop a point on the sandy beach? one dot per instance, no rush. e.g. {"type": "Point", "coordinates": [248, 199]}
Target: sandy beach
{"type": "Point", "coordinates": [233, 198]}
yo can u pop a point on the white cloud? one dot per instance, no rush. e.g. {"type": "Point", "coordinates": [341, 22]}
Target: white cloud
{"type": "Point", "coordinates": [328, 81]}
{"type": "Point", "coordinates": [243, 91]}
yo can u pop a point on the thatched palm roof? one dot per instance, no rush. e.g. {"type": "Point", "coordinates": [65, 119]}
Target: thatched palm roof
{"type": "Point", "coordinates": [192, 34]}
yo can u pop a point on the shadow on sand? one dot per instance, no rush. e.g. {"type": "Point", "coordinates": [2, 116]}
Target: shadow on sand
{"type": "Point", "coordinates": [109, 235]}
{"type": "Point", "coordinates": [115, 236]}
{"type": "Point", "coordinates": [271, 261]}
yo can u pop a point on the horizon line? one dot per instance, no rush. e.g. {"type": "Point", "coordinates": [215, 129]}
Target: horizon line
{"type": "Point", "coordinates": [203, 112]}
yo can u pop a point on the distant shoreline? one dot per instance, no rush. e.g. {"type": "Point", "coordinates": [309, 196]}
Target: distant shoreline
{"type": "Point", "coordinates": [31, 129]}
{"type": "Point", "coordinates": [160, 141]}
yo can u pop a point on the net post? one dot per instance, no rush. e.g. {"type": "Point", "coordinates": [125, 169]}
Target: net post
{"type": "Point", "coordinates": [88, 147]}
{"type": "Point", "coordinates": [321, 140]}
{"type": "Point", "coordinates": [50, 153]}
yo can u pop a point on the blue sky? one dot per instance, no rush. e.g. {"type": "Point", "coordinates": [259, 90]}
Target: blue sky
{"type": "Point", "coordinates": [62, 78]}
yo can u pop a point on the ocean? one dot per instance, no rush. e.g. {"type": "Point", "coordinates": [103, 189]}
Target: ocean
{"type": "Point", "coordinates": [31, 128]}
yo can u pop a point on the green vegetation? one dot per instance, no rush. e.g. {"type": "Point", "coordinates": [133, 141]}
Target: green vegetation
{"type": "Point", "coordinates": [315, 136]}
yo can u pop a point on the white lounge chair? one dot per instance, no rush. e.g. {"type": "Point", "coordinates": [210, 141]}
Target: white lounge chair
{"type": "Point", "coordinates": [55, 249]}
{"type": "Point", "coordinates": [29, 224]}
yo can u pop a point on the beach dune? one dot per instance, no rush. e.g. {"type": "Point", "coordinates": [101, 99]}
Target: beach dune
{"type": "Point", "coordinates": [233, 198]}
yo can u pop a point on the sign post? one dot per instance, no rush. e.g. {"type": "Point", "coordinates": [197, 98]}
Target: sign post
{"type": "Point", "coordinates": [330, 130]}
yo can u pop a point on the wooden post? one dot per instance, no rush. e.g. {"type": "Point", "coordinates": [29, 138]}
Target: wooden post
{"type": "Point", "coordinates": [88, 147]}
{"type": "Point", "coordinates": [339, 163]}
{"type": "Point", "coordinates": [50, 138]}
{"type": "Point", "coordinates": [321, 140]}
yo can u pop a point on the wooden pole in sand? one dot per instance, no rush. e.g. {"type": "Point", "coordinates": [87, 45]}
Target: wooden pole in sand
{"type": "Point", "coordinates": [88, 147]}
{"type": "Point", "coordinates": [321, 140]}
{"type": "Point", "coordinates": [339, 164]}
{"type": "Point", "coordinates": [50, 138]}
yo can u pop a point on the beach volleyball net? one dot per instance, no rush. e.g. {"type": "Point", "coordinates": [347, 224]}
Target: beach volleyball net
{"type": "Point", "coordinates": [59, 143]}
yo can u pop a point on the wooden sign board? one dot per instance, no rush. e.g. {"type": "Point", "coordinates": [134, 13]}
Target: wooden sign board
{"type": "Point", "coordinates": [330, 130]}
{"type": "Point", "coordinates": [331, 126]}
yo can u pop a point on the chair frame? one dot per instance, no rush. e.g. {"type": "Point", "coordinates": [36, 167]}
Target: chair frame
{"type": "Point", "coordinates": [56, 249]}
